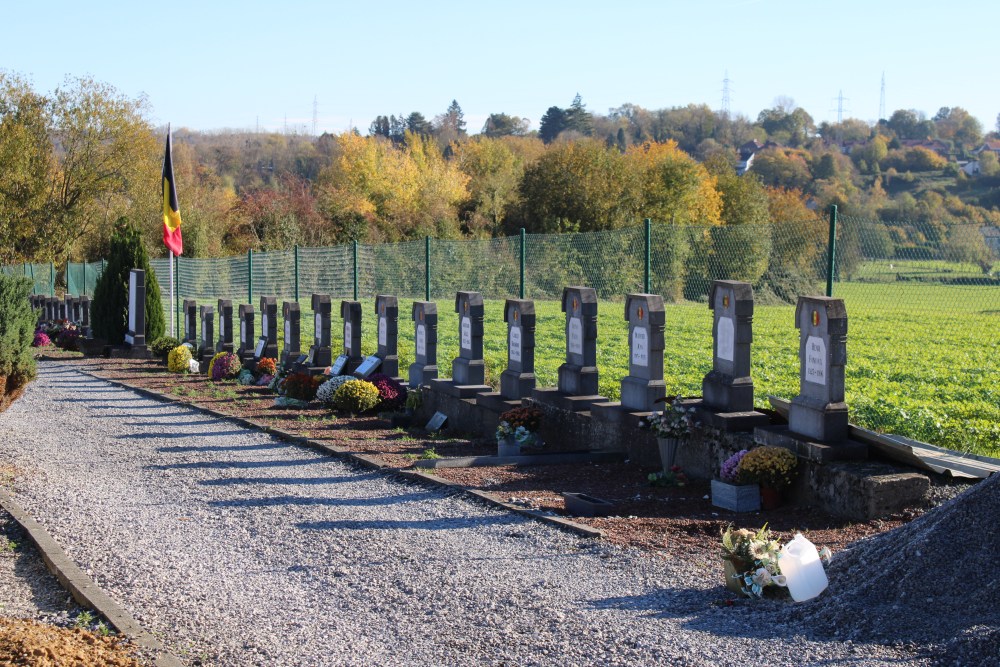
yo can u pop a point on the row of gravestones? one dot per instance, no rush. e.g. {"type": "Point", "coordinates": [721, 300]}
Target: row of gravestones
{"type": "Point", "coordinates": [818, 412]}
{"type": "Point", "coordinates": [73, 309]}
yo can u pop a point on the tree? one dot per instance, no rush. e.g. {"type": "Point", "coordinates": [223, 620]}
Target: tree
{"type": "Point", "coordinates": [502, 125]}
{"type": "Point", "coordinates": [551, 124]}
{"type": "Point", "coordinates": [417, 124]}
{"type": "Point", "coordinates": [450, 125]}
{"type": "Point", "coordinates": [674, 188]}
{"type": "Point", "coordinates": [910, 124]}
{"type": "Point", "coordinates": [578, 118]}
{"type": "Point", "coordinates": [109, 311]}
{"type": "Point", "coordinates": [958, 125]}
{"type": "Point", "coordinates": [782, 167]}
{"type": "Point", "coordinates": [787, 125]}
{"type": "Point", "coordinates": [494, 172]}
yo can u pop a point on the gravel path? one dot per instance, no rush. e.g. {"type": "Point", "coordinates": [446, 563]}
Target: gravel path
{"type": "Point", "coordinates": [238, 549]}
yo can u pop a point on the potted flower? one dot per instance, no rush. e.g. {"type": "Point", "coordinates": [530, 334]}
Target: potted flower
{"type": "Point", "coordinates": [518, 428]}
{"type": "Point", "coordinates": [773, 468]}
{"type": "Point", "coordinates": [751, 561]}
{"type": "Point", "coordinates": [671, 426]}
{"type": "Point", "coordinates": [732, 491]}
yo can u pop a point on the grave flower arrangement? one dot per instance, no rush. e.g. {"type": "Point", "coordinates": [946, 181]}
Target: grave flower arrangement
{"type": "Point", "coordinates": [753, 560]}
{"type": "Point", "coordinates": [41, 340]}
{"type": "Point", "coordinates": [327, 390]}
{"type": "Point", "coordinates": [674, 421]}
{"type": "Point", "coordinates": [673, 477]}
{"type": "Point", "coordinates": [768, 466]}
{"type": "Point", "coordinates": [301, 386]}
{"type": "Point", "coordinates": [730, 472]}
{"type": "Point", "coordinates": [178, 359]}
{"type": "Point", "coordinates": [391, 394]}
{"type": "Point", "coordinates": [356, 396]}
{"type": "Point", "coordinates": [267, 366]}
{"type": "Point", "coordinates": [224, 366]}
{"type": "Point", "coordinates": [69, 338]}
{"type": "Point", "coordinates": [522, 425]}
{"type": "Point", "coordinates": [245, 377]}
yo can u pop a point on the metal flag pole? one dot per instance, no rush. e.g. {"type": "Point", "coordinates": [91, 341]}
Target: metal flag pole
{"type": "Point", "coordinates": [173, 303]}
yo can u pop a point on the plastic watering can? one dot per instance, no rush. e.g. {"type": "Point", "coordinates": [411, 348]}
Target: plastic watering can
{"type": "Point", "coordinates": [802, 568]}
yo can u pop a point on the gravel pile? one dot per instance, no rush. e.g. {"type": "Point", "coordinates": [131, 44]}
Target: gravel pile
{"type": "Point", "coordinates": [934, 580]}
{"type": "Point", "coordinates": [238, 549]}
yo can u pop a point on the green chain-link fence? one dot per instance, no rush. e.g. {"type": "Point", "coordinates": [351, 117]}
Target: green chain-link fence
{"type": "Point", "coordinates": [42, 275]}
{"type": "Point", "coordinates": [922, 300]}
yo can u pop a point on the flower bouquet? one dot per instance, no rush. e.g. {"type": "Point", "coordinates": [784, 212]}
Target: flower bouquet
{"type": "Point", "coordinates": [751, 561]}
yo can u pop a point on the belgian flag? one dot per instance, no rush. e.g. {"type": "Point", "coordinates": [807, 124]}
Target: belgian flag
{"type": "Point", "coordinates": [171, 211]}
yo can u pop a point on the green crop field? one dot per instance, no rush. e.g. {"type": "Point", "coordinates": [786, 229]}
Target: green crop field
{"type": "Point", "coordinates": [923, 360]}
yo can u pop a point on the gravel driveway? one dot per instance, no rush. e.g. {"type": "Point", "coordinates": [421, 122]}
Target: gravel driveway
{"type": "Point", "coordinates": [238, 549]}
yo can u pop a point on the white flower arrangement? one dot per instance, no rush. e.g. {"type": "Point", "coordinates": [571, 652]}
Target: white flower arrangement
{"type": "Point", "coordinates": [326, 390]}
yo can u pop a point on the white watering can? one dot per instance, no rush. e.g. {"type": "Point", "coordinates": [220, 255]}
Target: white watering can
{"type": "Point", "coordinates": [802, 569]}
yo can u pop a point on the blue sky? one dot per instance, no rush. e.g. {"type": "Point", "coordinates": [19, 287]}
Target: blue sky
{"type": "Point", "coordinates": [209, 65]}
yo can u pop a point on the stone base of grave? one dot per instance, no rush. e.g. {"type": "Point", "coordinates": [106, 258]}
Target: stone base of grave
{"type": "Point", "coordinates": [92, 347]}
{"type": "Point", "coordinates": [819, 421]}
{"type": "Point", "coordinates": [224, 347]}
{"type": "Point", "coordinates": [807, 448]}
{"type": "Point", "coordinates": [564, 401]}
{"type": "Point", "coordinates": [390, 366]}
{"type": "Point", "coordinates": [313, 370]}
{"type": "Point", "coordinates": [321, 357]}
{"type": "Point", "coordinates": [420, 375]}
{"type": "Point", "coordinates": [578, 380]}
{"type": "Point", "coordinates": [203, 365]}
{"type": "Point", "coordinates": [465, 415]}
{"type": "Point", "coordinates": [728, 421]}
{"type": "Point", "coordinates": [613, 412]}
{"type": "Point", "coordinates": [468, 371]}
{"type": "Point", "coordinates": [859, 490]}
{"type": "Point", "coordinates": [641, 395]}
{"type": "Point", "coordinates": [206, 353]}
{"type": "Point", "coordinates": [455, 390]}
{"type": "Point", "coordinates": [352, 365]}
{"type": "Point", "coordinates": [727, 395]}
{"type": "Point", "coordinates": [516, 385]}
{"type": "Point", "coordinates": [127, 352]}
{"type": "Point", "coordinates": [496, 401]}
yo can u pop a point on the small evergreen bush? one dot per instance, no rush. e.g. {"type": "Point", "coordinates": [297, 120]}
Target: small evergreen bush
{"type": "Point", "coordinates": [109, 309]}
{"type": "Point", "coordinates": [161, 346]}
{"type": "Point", "coordinates": [356, 396]}
{"type": "Point", "coordinates": [17, 332]}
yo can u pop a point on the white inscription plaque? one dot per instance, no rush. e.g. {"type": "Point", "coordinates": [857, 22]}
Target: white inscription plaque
{"type": "Point", "coordinates": [243, 334]}
{"type": "Point", "coordinates": [640, 347]}
{"type": "Point", "coordinates": [815, 360]}
{"type": "Point", "coordinates": [514, 351]}
{"type": "Point", "coordinates": [264, 321]}
{"type": "Point", "coordinates": [466, 334]}
{"type": "Point", "coordinates": [382, 332]}
{"type": "Point", "coordinates": [131, 303]}
{"type": "Point", "coordinates": [725, 336]}
{"type": "Point", "coordinates": [318, 329]}
{"type": "Point", "coordinates": [575, 335]}
{"type": "Point", "coordinates": [347, 335]}
{"type": "Point", "coordinates": [421, 341]}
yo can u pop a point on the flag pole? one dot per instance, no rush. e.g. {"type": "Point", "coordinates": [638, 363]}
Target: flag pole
{"type": "Point", "coordinates": [173, 303]}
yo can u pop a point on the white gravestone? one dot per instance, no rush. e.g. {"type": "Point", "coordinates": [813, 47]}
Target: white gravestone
{"type": "Point", "coordinates": [347, 334]}
{"type": "Point", "coordinates": [575, 336]}
{"type": "Point", "coordinates": [382, 332]}
{"type": "Point", "coordinates": [131, 302]}
{"type": "Point", "coordinates": [466, 333]}
{"type": "Point", "coordinates": [264, 321]}
{"type": "Point", "coordinates": [515, 344]}
{"type": "Point", "coordinates": [318, 328]}
{"type": "Point", "coordinates": [421, 341]}
{"type": "Point", "coordinates": [726, 337]}
{"type": "Point", "coordinates": [815, 360]}
{"type": "Point", "coordinates": [640, 347]}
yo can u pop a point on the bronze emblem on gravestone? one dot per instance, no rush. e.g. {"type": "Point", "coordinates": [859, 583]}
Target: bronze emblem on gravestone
{"type": "Point", "coordinates": [725, 301]}
{"type": "Point", "coordinates": [575, 304]}
{"type": "Point", "coordinates": [515, 315]}
{"type": "Point", "coordinates": [815, 318]}
{"type": "Point", "coordinates": [466, 306]}
{"type": "Point", "coordinates": [641, 313]}
{"type": "Point", "coordinates": [421, 315]}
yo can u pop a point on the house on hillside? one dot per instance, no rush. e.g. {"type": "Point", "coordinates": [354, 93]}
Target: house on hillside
{"type": "Point", "coordinates": [991, 145]}
{"type": "Point", "coordinates": [747, 152]}
{"type": "Point", "coordinates": [743, 166]}
{"type": "Point", "coordinates": [971, 168]}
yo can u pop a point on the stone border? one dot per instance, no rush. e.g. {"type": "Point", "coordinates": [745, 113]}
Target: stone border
{"type": "Point", "coordinates": [83, 589]}
{"type": "Point", "coordinates": [368, 461]}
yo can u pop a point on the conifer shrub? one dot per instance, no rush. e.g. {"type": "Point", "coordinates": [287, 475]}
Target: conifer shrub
{"type": "Point", "coordinates": [161, 346]}
{"type": "Point", "coordinates": [17, 332]}
{"type": "Point", "coordinates": [109, 308]}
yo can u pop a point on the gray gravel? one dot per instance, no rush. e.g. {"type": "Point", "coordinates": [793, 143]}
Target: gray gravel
{"type": "Point", "coordinates": [238, 549]}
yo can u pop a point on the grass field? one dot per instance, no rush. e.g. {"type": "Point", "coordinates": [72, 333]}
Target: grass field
{"type": "Point", "coordinates": [923, 360]}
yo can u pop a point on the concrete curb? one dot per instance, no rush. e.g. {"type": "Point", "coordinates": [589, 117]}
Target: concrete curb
{"type": "Point", "coordinates": [83, 589]}
{"type": "Point", "coordinates": [370, 462]}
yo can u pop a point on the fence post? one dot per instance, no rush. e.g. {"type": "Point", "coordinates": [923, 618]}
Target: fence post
{"type": "Point", "coordinates": [297, 272]}
{"type": "Point", "coordinates": [646, 274]}
{"type": "Point", "coordinates": [250, 276]}
{"type": "Point", "coordinates": [831, 250]}
{"type": "Point", "coordinates": [427, 268]}
{"type": "Point", "coordinates": [521, 292]}
{"type": "Point", "coordinates": [52, 279]}
{"type": "Point", "coordinates": [354, 252]}
{"type": "Point", "coordinates": [84, 276]}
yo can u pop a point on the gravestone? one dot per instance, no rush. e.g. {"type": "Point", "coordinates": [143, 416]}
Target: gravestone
{"type": "Point", "coordinates": [425, 321]}
{"type": "Point", "coordinates": [291, 314]}
{"type": "Point", "coordinates": [60, 309]}
{"type": "Point", "coordinates": [320, 352]}
{"type": "Point", "coordinates": [135, 337]}
{"type": "Point", "coordinates": [73, 309]}
{"type": "Point", "coordinates": [85, 316]}
{"type": "Point", "coordinates": [387, 312]}
{"type": "Point", "coordinates": [206, 349]}
{"type": "Point", "coordinates": [350, 311]}
{"type": "Point", "coordinates": [225, 342]}
{"type": "Point", "coordinates": [727, 390]}
{"type": "Point", "coordinates": [247, 337]}
{"type": "Point", "coordinates": [191, 322]}
{"type": "Point", "coordinates": [819, 411]}
{"type": "Point", "coordinates": [518, 380]}
{"type": "Point", "coordinates": [267, 344]}
{"type": "Point", "coordinates": [468, 370]}
{"type": "Point", "coordinates": [577, 388]}
{"type": "Point", "coordinates": [644, 383]}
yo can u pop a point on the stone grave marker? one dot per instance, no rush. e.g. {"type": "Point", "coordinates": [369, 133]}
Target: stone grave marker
{"type": "Point", "coordinates": [85, 316]}
{"type": "Point", "coordinates": [350, 311]}
{"type": "Point", "coordinates": [292, 316]}
{"type": "Point", "coordinates": [135, 337]}
{"type": "Point", "coordinates": [468, 370]}
{"type": "Point", "coordinates": [518, 380]}
{"type": "Point", "coordinates": [247, 337]}
{"type": "Point", "coordinates": [644, 383]}
{"type": "Point", "coordinates": [387, 312]}
{"type": "Point", "coordinates": [191, 322]}
{"type": "Point", "coordinates": [267, 345]}
{"type": "Point", "coordinates": [60, 309]}
{"type": "Point", "coordinates": [819, 411]}
{"type": "Point", "coordinates": [320, 352]}
{"type": "Point", "coordinates": [225, 342]}
{"type": "Point", "coordinates": [206, 349]}
{"type": "Point", "coordinates": [425, 321]}
{"type": "Point", "coordinates": [577, 388]}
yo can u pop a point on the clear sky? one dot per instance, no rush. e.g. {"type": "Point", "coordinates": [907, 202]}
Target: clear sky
{"type": "Point", "coordinates": [210, 65]}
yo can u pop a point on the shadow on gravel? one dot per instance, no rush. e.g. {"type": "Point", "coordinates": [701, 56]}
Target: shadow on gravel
{"type": "Point", "coordinates": [131, 399]}
{"type": "Point", "coordinates": [189, 422]}
{"type": "Point", "coordinates": [187, 413]}
{"type": "Point", "coordinates": [172, 434]}
{"type": "Point", "coordinates": [221, 448]}
{"type": "Point", "coordinates": [221, 465]}
{"type": "Point", "coordinates": [232, 481]}
{"type": "Point", "coordinates": [333, 502]}
{"type": "Point", "coordinates": [450, 523]}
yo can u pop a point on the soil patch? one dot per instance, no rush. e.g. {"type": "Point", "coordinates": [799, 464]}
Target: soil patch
{"type": "Point", "coordinates": [27, 642]}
